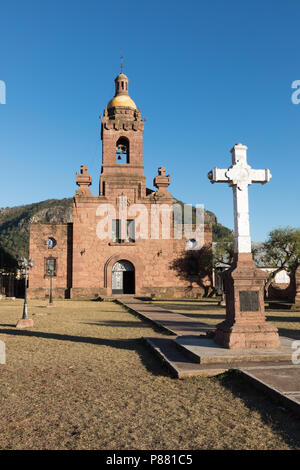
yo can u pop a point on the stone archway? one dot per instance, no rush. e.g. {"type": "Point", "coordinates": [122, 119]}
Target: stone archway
{"type": "Point", "coordinates": [123, 278]}
{"type": "Point", "coordinates": [138, 270]}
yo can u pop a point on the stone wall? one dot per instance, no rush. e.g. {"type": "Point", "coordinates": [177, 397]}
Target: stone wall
{"type": "Point", "coordinates": [62, 252]}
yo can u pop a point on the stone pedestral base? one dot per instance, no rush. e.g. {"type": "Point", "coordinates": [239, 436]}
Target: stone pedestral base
{"type": "Point", "coordinates": [25, 323]}
{"type": "Point", "coordinates": [241, 336]}
{"type": "Point", "coordinates": [245, 326]}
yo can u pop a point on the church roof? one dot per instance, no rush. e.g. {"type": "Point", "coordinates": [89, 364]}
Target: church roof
{"type": "Point", "coordinates": [122, 100]}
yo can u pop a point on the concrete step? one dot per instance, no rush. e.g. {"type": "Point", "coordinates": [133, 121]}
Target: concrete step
{"type": "Point", "coordinates": [177, 362]}
{"type": "Point", "coordinates": [205, 351]}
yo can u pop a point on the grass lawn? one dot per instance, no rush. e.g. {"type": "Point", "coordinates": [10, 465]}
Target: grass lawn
{"type": "Point", "coordinates": [83, 379]}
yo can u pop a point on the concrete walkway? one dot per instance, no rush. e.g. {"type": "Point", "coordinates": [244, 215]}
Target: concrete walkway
{"type": "Point", "coordinates": [191, 353]}
{"type": "Point", "coordinates": [173, 323]}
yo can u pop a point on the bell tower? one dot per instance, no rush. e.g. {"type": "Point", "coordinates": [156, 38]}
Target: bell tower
{"type": "Point", "coordinates": [122, 130]}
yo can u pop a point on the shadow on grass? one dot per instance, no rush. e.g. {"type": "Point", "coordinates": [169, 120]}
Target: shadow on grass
{"type": "Point", "coordinates": [293, 334]}
{"type": "Point", "coordinates": [220, 317]}
{"type": "Point", "coordinates": [199, 307]}
{"type": "Point", "coordinates": [117, 324]}
{"type": "Point", "coordinates": [283, 319]}
{"type": "Point", "coordinates": [182, 326]}
{"type": "Point", "coordinates": [134, 344]}
{"type": "Point", "coordinates": [273, 413]}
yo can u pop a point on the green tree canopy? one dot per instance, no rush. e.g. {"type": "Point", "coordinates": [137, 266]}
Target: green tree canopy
{"type": "Point", "coordinates": [282, 249]}
{"type": "Point", "coordinates": [281, 252]}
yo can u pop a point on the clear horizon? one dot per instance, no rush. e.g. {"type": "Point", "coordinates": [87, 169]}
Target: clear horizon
{"type": "Point", "coordinates": [206, 75]}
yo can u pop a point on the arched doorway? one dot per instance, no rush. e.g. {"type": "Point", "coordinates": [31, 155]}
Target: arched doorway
{"type": "Point", "coordinates": [123, 277]}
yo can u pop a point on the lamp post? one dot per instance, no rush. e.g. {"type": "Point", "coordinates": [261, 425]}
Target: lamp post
{"type": "Point", "coordinates": [50, 272]}
{"type": "Point", "coordinates": [24, 266]}
{"type": "Point", "coordinates": [1, 283]}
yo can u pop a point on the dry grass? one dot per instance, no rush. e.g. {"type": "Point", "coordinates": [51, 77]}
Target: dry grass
{"type": "Point", "coordinates": [82, 379]}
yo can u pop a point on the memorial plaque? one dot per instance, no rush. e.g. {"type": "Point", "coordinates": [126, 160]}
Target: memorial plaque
{"type": "Point", "coordinates": [249, 301]}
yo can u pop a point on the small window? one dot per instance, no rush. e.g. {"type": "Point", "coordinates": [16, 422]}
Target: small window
{"type": "Point", "coordinates": [131, 230]}
{"type": "Point", "coordinates": [50, 267]}
{"type": "Point", "coordinates": [117, 233]}
{"type": "Point", "coordinates": [122, 85]}
{"type": "Point", "coordinates": [51, 242]}
{"type": "Point", "coordinates": [191, 244]}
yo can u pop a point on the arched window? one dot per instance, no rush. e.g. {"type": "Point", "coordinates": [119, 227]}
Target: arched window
{"type": "Point", "coordinates": [122, 150]}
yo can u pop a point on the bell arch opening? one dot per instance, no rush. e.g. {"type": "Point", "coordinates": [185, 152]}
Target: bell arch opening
{"type": "Point", "coordinates": [122, 150]}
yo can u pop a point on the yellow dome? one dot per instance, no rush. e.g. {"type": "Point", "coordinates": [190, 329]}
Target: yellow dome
{"type": "Point", "coordinates": [121, 100]}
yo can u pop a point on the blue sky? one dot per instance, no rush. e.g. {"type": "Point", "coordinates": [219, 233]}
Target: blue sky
{"type": "Point", "coordinates": [206, 74]}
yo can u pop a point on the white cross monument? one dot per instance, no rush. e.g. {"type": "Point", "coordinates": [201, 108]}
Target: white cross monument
{"type": "Point", "coordinates": [244, 326]}
{"type": "Point", "coordinates": [239, 176]}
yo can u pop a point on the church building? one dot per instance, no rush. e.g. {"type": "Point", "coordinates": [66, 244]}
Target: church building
{"type": "Point", "coordinates": [117, 243]}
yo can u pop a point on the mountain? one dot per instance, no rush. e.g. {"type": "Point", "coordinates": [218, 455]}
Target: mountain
{"type": "Point", "coordinates": [14, 225]}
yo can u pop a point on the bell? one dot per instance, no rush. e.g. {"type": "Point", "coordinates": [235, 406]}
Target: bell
{"type": "Point", "coordinates": [119, 157]}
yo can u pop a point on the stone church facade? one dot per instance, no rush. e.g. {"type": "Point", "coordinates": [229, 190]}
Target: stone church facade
{"type": "Point", "coordinates": [97, 255]}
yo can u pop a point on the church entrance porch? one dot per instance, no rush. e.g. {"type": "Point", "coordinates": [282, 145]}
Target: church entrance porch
{"type": "Point", "coordinates": [123, 278]}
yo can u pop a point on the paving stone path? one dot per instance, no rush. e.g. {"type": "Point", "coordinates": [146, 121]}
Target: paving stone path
{"type": "Point", "coordinates": [273, 371]}
{"type": "Point", "coordinates": [173, 323]}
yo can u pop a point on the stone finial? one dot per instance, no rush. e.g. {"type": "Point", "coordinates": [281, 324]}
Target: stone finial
{"type": "Point", "coordinates": [162, 181]}
{"type": "Point", "coordinates": [83, 180]}
{"type": "Point", "coordinates": [138, 114]}
{"type": "Point", "coordinates": [239, 153]}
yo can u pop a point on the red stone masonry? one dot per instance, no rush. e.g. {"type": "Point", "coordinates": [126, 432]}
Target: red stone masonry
{"type": "Point", "coordinates": [62, 252]}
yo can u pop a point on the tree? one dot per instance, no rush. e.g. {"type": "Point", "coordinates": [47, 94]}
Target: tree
{"type": "Point", "coordinates": [196, 266]}
{"type": "Point", "coordinates": [281, 252]}
{"type": "Point", "coordinates": [223, 251]}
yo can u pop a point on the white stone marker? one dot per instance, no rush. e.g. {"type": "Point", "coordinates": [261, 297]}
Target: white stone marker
{"type": "Point", "coordinates": [239, 176]}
